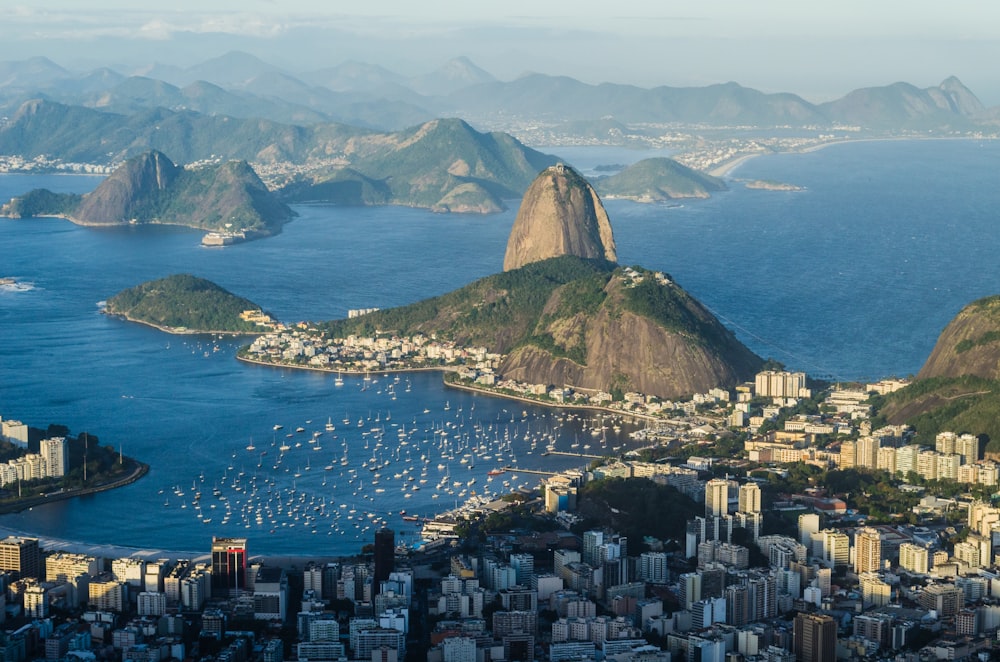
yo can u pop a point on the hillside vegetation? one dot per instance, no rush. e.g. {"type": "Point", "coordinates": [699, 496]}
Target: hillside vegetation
{"type": "Point", "coordinates": [184, 302]}
{"type": "Point", "coordinates": [586, 323]}
{"type": "Point", "coordinates": [966, 404]}
{"type": "Point", "coordinates": [443, 164]}
{"type": "Point", "coordinates": [657, 180]}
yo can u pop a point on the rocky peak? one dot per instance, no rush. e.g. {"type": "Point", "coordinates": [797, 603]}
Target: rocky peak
{"type": "Point", "coordinates": [128, 188]}
{"type": "Point", "coordinates": [560, 214]}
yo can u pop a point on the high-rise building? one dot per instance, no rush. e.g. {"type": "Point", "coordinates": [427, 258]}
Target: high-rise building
{"type": "Point", "coordinates": [717, 497]}
{"type": "Point", "coordinates": [21, 556]}
{"type": "Point", "coordinates": [229, 566]}
{"type": "Point", "coordinates": [836, 547]}
{"type": "Point", "coordinates": [808, 525]}
{"type": "Point", "coordinates": [55, 453]}
{"type": "Point", "coordinates": [749, 498]}
{"type": "Point", "coordinates": [780, 384]}
{"type": "Point", "coordinates": [967, 446]}
{"type": "Point", "coordinates": [867, 550]}
{"type": "Point", "coordinates": [874, 591]}
{"type": "Point", "coordinates": [913, 558]}
{"type": "Point", "coordinates": [814, 638]}
{"type": "Point", "coordinates": [385, 556]}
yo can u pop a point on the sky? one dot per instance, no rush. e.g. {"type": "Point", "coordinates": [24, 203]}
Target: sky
{"type": "Point", "coordinates": [820, 51]}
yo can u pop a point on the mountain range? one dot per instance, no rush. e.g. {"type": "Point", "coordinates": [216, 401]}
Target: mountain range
{"type": "Point", "coordinates": [241, 85]}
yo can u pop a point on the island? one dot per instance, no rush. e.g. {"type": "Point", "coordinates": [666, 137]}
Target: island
{"type": "Point", "coordinates": [768, 185]}
{"type": "Point", "coordinates": [183, 303]}
{"type": "Point", "coordinates": [227, 199]}
{"type": "Point", "coordinates": [658, 180]}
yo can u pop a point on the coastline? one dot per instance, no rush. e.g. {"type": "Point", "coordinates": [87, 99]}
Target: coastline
{"type": "Point", "coordinates": [179, 330]}
{"type": "Point", "coordinates": [345, 371]}
{"type": "Point", "coordinates": [462, 387]}
{"type": "Point", "coordinates": [554, 405]}
{"type": "Point", "coordinates": [140, 470]}
{"type": "Point", "coordinates": [726, 168]}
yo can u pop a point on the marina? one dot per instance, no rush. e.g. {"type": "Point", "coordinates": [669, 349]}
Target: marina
{"type": "Point", "coordinates": [383, 469]}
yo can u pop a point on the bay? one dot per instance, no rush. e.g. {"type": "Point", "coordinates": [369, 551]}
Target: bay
{"type": "Point", "coordinates": [851, 278]}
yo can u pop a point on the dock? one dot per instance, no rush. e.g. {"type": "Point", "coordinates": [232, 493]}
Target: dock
{"type": "Point", "coordinates": [585, 455]}
{"type": "Point", "coordinates": [517, 470]}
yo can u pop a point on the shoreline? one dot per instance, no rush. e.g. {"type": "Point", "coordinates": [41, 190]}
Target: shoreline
{"type": "Point", "coordinates": [139, 471]}
{"type": "Point", "coordinates": [462, 387]}
{"type": "Point", "coordinates": [726, 168]}
{"type": "Point", "coordinates": [179, 330]}
{"type": "Point", "coordinates": [345, 371]}
{"type": "Point", "coordinates": [554, 405]}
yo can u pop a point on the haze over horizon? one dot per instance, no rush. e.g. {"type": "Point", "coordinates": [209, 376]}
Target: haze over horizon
{"type": "Point", "coordinates": [819, 52]}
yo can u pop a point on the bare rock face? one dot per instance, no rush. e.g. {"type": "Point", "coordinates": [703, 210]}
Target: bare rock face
{"type": "Point", "coordinates": [120, 197]}
{"type": "Point", "coordinates": [560, 214]}
{"type": "Point", "coordinates": [969, 345]}
{"type": "Point", "coordinates": [668, 358]}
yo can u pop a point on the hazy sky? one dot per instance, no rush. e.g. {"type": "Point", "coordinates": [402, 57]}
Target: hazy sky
{"type": "Point", "coordinates": [817, 50]}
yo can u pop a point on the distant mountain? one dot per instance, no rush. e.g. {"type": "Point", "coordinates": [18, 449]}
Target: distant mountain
{"type": "Point", "coordinates": [150, 189]}
{"type": "Point", "coordinates": [372, 96]}
{"type": "Point", "coordinates": [902, 105]}
{"type": "Point", "coordinates": [444, 165]}
{"type": "Point", "coordinates": [82, 134]}
{"type": "Point", "coordinates": [657, 180]}
{"type": "Point", "coordinates": [184, 303]}
{"type": "Point", "coordinates": [454, 75]}
{"type": "Point", "coordinates": [233, 69]}
{"type": "Point", "coordinates": [564, 98]}
{"type": "Point", "coordinates": [352, 76]}
{"type": "Point", "coordinates": [30, 73]}
{"type": "Point", "coordinates": [560, 214]}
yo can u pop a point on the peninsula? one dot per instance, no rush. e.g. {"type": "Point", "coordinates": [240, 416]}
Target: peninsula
{"type": "Point", "coordinates": [562, 316]}
{"type": "Point", "coordinates": [187, 304]}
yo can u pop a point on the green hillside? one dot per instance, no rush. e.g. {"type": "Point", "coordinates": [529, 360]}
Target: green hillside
{"type": "Point", "coordinates": [589, 323]}
{"type": "Point", "coordinates": [443, 164]}
{"type": "Point", "coordinates": [499, 311]}
{"type": "Point", "coordinates": [965, 404]}
{"type": "Point", "coordinates": [656, 180]}
{"type": "Point", "coordinates": [184, 302]}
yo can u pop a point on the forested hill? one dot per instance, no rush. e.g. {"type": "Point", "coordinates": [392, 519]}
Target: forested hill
{"type": "Point", "coordinates": [184, 303]}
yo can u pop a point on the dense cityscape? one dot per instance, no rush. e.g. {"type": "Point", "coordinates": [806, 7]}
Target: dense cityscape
{"type": "Point", "coordinates": [788, 554]}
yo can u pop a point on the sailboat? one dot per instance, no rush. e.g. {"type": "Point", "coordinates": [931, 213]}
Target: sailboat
{"type": "Point", "coordinates": [339, 381]}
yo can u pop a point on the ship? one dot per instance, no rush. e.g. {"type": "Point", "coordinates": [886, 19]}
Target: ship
{"type": "Point", "coordinates": [495, 472]}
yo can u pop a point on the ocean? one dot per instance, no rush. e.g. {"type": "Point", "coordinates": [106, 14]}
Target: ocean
{"type": "Point", "coordinates": [851, 278]}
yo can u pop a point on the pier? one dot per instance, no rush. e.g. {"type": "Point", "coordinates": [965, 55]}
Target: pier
{"type": "Point", "coordinates": [586, 455]}
{"type": "Point", "coordinates": [517, 470]}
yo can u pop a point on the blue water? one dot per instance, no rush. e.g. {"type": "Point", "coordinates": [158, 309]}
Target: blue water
{"type": "Point", "coordinates": [853, 278]}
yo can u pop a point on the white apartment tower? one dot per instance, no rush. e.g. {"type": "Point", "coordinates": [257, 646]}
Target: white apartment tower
{"type": "Point", "coordinates": [55, 453]}
{"type": "Point", "coordinates": [749, 498]}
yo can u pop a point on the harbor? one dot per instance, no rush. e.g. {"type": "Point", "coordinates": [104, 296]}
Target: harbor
{"type": "Point", "coordinates": [348, 474]}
